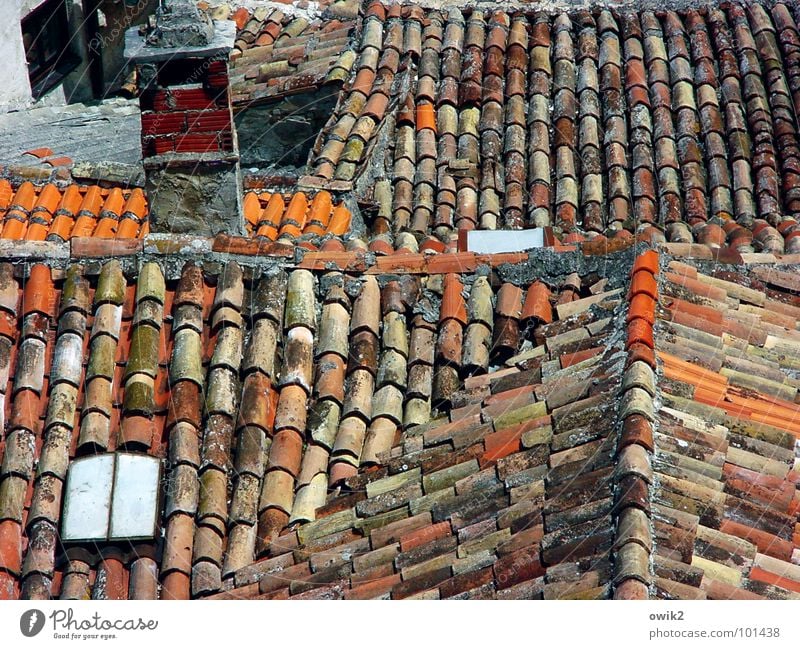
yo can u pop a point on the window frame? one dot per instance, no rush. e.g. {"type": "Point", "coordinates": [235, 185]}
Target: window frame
{"type": "Point", "coordinates": [47, 27]}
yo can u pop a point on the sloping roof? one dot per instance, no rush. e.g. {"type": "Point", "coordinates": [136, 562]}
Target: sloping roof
{"type": "Point", "coordinates": [277, 53]}
{"type": "Point", "coordinates": [57, 213]}
{"type": "Point", "coordinates": [522, 432]}
{"type": "Point", "coordinates": [206, 370]}
{"type": "Point", "coordinates": [55, 136]}
{"type": "Point", "coordinates": [725, 505]}
{"type": "Point", "coordinates": [681, 125]}
{"type": "Point", "coordinates": [295, 218]}
{"type": "Point", "coordinates": [384, 418]}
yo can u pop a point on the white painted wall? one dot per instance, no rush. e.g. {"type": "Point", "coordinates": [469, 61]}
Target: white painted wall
{"type": "Point", "coordinates": [15, 87]}
{"type": "Point", "coordinates": [26, 6]}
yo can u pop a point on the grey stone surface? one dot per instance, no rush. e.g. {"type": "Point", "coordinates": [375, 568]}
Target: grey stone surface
{"type": "Point", "coordinates": [203, 199]}
{"type": "Point", "coordinates": [180, 23]}
{"type": "Point", "coordinates": [137, 49]}
{"type": "Point", "coordinates": [105, 132]}
{"type": "Point", "coordinates": [114, 172]}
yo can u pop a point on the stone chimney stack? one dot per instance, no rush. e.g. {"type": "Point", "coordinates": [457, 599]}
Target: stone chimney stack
{"type": "Point", "coordinates": [189, 148]}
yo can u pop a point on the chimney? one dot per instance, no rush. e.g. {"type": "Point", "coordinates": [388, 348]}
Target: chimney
{"type": "Point", "coordinates": [189, 148]}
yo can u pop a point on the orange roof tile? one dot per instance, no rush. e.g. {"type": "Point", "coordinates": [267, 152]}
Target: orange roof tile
{"type": "Point", "coordinates": [647, 261]}
{"type": "Point", "coordinates": [71, 200]}
{"type": "Point", "coordinates": [426, 118]}
{"type": "Point", "coordinates": [106, 228]}
{"type": "Point", "coordinates": [127, 229]}
{"type": "Point", "coordinates": [24, 197]}
{"type": "Point", "coordinates": [319, 214]}
{"type": "Point", "coordinates": [453, 305]}
{"type": "Point", "coordinates": [537, 303]}
{"type": "Point", "coordinates": [6, 192]}
{"type": "Point", "coordinates": [642, 306]}
{"type": "Point", "coordinates": [270, 218]}
{"type": "Point", "coordinates": [36, 231]}
{"type": "Point", "coordinates": [37, 213]}
{"type": "Point", "coordinates": [294, 215]}
{"type": "Point", "coordinates": [759, 574]}
{"type": "Point", "coordinates": [694, 373]}
{"type": "Point", "coordinates": [41, 152]}
{"type": "Point", "coordinates": [14, 229]}
{"type": "Point", "coordinates": [84, 225]}
{"type": "Point", "coordinates": [92, 201]}
{"type": "Point", "coordinates": [340, 221]}
{"type": "Point", "coordinates": [114, 203]}
{"type": "Point", "coordinates": [49, 199]}
{"type": "Point", "coordinates": [694, 310]}
{"type": "Point", "coordinates": [136, 204]}
{"type": "Point", "coordinates": [294, 219]}
{"type": "Point", "coordinates": [640, 331]}
{"type": "Point", "coordinates": [252, 208]}
{"type": "Point", "coordinates": [644, 282]}
{"type": "Point", "coordinates": [38, 295]}
{"type": "Point", "coordinates": [61, 227]}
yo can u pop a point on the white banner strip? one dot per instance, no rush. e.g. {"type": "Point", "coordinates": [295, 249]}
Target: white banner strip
{"type": "Point", "coordinates": [398, 624]}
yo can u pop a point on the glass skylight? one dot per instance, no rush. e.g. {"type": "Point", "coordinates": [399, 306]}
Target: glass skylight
{"type": "Point", "coordinates": [111, 497]}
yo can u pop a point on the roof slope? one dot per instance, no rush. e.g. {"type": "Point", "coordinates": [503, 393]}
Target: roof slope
{"type": "Point", "coordinates": [277, 54]}
{"type": "Point", "coordinates": [539, 430]}
{"type": "Point", "coordinates": [337, 423]}
{"type": "Point", "coordinates": [60, 212]}
{"type": "Point", "coordinates": [105, 132]}
{"type": "Point", "coordinates": [271, 387]}
{"type": "Point", "coordinates": [679, 125]}
{"type": "Point", "coordinates": [45, 212]}
{"type": "Point", "coordinates": [726, 505]}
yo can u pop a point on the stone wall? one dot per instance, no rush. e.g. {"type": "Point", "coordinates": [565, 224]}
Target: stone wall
{"type": "Point", "coordinates": [201, 199]}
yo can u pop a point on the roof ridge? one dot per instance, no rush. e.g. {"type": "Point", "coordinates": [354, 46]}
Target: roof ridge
{"type": "Point", "coordinates": [633, 477]}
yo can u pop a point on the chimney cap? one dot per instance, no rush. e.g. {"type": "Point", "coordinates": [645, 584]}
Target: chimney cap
{"type": "Point", "coordinates": [180, 23]}
{"type": "Point", "coordinates": [180, 30]}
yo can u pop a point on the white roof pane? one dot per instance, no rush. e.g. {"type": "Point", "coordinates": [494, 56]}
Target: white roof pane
{"type": "Point", "coordinates": [88, 499]}
{"type": "Point", "coordinates": [486, 242]}
{"type": "Point", "coordinates": [133, 515]}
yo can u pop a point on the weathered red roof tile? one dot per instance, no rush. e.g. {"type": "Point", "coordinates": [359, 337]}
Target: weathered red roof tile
{"type": "Point", "coordinates": [687, 81]}
{"type": "Point", "coordinates": [537, 304]}
{"type": "Point", "coordinates": [407, 411]}
{"type": "Point", "coordinates": [276, 54]}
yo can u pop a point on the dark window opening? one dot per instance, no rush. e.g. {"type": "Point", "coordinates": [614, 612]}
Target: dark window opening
{"type": "Point", "coordinates": [280, 134]}
{"type": "Point", "coordinates": [46, 37]}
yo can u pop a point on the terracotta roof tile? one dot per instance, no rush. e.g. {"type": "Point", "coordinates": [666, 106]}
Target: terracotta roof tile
{"type": "Point", "coordinates": [707, 150]}
{"type": "Point", "coordinates": [296, 218]}
{"type": "Point", "coordinates": [36, 213]}
{"type": "Point", "coordinates": [352, 434]}
{"type": "Point", "coordinates": [276, 54]}
{"type": "Point", "coordinates": [628, 420]}
{"type": "Point", "coordinates": [730, 420]}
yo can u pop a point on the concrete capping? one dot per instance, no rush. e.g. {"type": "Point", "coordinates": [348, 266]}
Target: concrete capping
{"type": "Point", "coordinates": [138, 51]}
